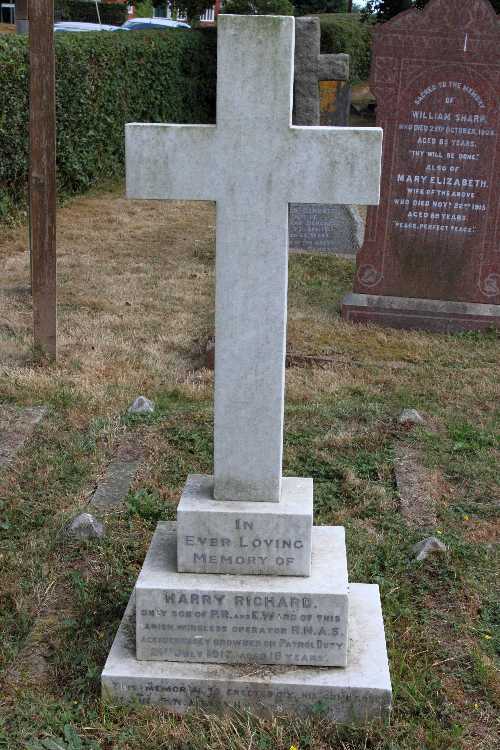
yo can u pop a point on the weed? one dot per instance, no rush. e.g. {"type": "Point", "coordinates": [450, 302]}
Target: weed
{"type": "Point", "coordinates": [71, 741]}
{"type": "Point", "coordinates": [146, 504]}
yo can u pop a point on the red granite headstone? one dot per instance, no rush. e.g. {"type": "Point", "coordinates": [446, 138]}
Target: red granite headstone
{"type": "Point", "coordinates": [431, 257]}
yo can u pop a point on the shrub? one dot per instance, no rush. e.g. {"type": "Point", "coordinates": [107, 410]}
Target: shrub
{"type": "Point", "coordinates": [85, 10]}
{"type": "Point", "coordinates": [308, 7]}
{"type": "Point", "coordinates": [344, 32]}
{"type": "Point", "coordinates": [103, 81]}
{"type": "Point", "coordinates": [144, 9]}
{"type": "Point", "coordinates": [384, 10]}
{"type": "Point", "coordinates": [259, 7]}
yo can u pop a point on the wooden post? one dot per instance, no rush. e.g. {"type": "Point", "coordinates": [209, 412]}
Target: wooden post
{"type": "Point", "coordinates": [42, 176]}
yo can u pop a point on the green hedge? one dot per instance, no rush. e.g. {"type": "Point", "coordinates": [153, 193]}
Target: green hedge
{"type": "Point", "coordinates": [103, 81]}
{"type": "Point", "coordinates": [344, 32]}
{"type": "Point", "coordinates": [107, 79]}
{"type": "Point", "coordinates": [85, 10]}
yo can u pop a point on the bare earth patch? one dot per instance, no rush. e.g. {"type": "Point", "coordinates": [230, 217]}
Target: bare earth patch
{"type": "Point", "coordinates": [419, 489]}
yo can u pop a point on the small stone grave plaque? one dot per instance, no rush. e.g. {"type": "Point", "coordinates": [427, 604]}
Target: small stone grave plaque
{"type": "Point", "coordinates": [16, 426]}
{"type": "Point", "coordinates": [323, 228]}
{"type": "Point", "coordinates": [431, 257]}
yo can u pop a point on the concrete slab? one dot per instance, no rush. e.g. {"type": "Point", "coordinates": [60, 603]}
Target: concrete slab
{"type": "Point", "coordinates": [240, 619]}
{"type": "Point", "coordinates": [360, 692]}
{"type": "Point", "coordinates": [244, 538]}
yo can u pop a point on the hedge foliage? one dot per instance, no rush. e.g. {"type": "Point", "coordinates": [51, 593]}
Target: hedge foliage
{"type": "Point", "coordinates": [104, 80]}
{"type": "Point", "coordinates": [345, 32]}
{"type": "Point", "coordinates": [107, 79]}
{"type": "Point", "coordinates": [308, 7]}
{"type": "Point", "coordinates": [85, 10]}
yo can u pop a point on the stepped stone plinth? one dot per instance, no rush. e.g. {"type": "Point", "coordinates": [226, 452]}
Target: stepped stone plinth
{"type": "Point", "coordinates": [244, 619]}
{"type": "Point", "coordinates": [245, 538]}
{"type": "Point", "coordinates": [359, 692]}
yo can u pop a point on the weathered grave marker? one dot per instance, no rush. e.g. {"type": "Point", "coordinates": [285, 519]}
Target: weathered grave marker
{"type": "Point", "coordinates": [16, 427]}
{"type": "Point", "coordinates": [334, 103]}
{"type": "Point", "coordinates": [431, 257]}
{"type": "Point", "coordinates": [311, 67]}
{"type": "Point", "coordinates": [42, 176]}
{"type": "Point", "coordinates": [313, 227]}
{"type": "Point", "coordinates": [113, 488]}
{"type": "Point", "coordinates": [323, 228]}
{"type": "Point", "coordinates": [289, 603]}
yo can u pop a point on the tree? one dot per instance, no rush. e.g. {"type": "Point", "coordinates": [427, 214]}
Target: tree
{"type": "Point", "coordinates": [306, 7]}
{"type": "Point", "coordinates": [192, 9]}
{"type": "Point", "coordinates": [144, 9]}
{"type": "Point", "coordinates": [383, 10]}
{"type": "Point", "coordinates": [259, 7]}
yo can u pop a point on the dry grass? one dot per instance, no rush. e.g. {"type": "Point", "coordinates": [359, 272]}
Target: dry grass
{"type": "Point", "coordinates": [132, 298]}
{"type": "Point", "coordinates": [135, 300]}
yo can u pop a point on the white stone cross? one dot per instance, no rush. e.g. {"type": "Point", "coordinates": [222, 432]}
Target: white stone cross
{"type": "Point", "coordinates": [252, 163]}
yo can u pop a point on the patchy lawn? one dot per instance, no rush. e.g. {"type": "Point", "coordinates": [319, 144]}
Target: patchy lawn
{"type": "Point", "coordinates": [135, 311]}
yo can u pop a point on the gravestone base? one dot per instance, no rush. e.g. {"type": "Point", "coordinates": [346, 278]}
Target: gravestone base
{"type": "Point", "coordinates": [438, 316]}
{"type": "Point", "coordinates": [215, 536]}
{"type": "Point", "coordinates": [357, 693]}
{"type": "Point", "coordinates": [229, 619]}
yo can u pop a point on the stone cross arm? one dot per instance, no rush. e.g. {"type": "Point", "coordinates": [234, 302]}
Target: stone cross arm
{"type": "Point", "coordinates": [303, 165]}
{"type": "Point", "coordinates": [158, 159]}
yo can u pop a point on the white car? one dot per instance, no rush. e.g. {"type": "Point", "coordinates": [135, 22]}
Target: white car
{"type": "Point", "coordinates": [143, 24]}
{"type": "Point", "coordinates": [81, 26]}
